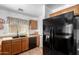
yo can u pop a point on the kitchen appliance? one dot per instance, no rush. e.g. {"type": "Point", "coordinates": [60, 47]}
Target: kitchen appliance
{"type": "Point", "coordinates": [76, 33]}
{"type": "Point", "coordinates": [58, 35]}
{"type": "Point", "coordinates": [32, 42]}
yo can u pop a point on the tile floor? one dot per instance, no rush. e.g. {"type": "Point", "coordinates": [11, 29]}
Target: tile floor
{"type": "Point", "coordinates": [35, 51]}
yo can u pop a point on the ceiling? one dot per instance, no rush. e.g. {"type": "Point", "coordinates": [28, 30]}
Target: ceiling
{"type": "Point", "coordinates": [27, 9]}
{"type": "Point", "coordinates": [54, 6]}
{"type": "Point", "coordinates": [34, 10]}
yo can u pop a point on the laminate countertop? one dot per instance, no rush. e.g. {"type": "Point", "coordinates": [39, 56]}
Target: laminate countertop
{"type": "Point", "coordinates": [3, 39]}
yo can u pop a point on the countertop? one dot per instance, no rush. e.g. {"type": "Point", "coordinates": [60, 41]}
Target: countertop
{"type": "Point", "coordinates": [11, 38]}
{"type": "Point", "coordinates": [3, 39]}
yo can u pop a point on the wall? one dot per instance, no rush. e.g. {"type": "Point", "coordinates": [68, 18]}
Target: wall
{"type": "Point", "coordinates": [41, 25]}
{"type": "Point", "coordinates": [47, 12]}
{"type": "Point", "coordinates": [4, 13]}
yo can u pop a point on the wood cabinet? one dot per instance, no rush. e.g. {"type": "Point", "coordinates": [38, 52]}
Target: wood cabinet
{"type": "Point", "coordinates": [25, 44]}
{"type": "Point", "coordinates": [33, 24]}
{"type": "Point", "coordinates": [6, 47]}
{"type": "Point", "coordinates": [38, 41]}
{"type": "Point", "coordinates": [75, 9]}
{"type": "Point", "coordinates": [0, 50]}
{"type": "Point", "coordinates": [16, 46]}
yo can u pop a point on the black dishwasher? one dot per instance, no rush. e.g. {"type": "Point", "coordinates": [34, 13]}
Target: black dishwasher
{"type": "Point", "coordinates": [32, 42]}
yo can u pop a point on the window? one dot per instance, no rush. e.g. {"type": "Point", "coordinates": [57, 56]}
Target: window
{"type": "Point", "coordinates": [18, 26]}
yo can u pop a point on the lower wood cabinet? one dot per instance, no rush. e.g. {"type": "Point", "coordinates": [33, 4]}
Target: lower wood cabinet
{"type": "Point", "coordinates": [25, 44]}
{"type": "Point", "coordinates": [6, 47]}
{"type": "Point", "coordinates": [16, 46]}
{"type": "Point", "coordinates": [38, 41]}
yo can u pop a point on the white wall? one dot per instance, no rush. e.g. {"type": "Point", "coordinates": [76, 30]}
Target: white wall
{"type": "Point", "coordinates": [40, 26]}
{"type": "Point", "coordinates": [4, 13]}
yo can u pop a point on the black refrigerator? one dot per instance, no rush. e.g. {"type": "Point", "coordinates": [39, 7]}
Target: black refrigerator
{"type": "Point", "coordinates": [58, 35]}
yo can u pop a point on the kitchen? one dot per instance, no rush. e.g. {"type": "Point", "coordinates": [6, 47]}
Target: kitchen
{"type": "Point", "coordinates": [38, 29]}
{"type": "Point", "coordinates": [20, 29]}
{"type": "Point", "coordinates": [42, 29]}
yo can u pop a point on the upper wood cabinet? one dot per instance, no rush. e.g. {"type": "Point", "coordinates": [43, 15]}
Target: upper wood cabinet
{"type": "Point", "coordinates": [33, 24]}
{"type": "Point", "coordinates": [75, 9]}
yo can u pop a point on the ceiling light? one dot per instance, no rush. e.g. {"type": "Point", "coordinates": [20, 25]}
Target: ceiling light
{"type": "Point", "coordinates": [19, 9]}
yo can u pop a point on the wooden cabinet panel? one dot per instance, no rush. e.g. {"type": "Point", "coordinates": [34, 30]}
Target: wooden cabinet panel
{"type": "Point", "coordinates": [75, 9]}
{"type": "Point", "coordinates": [33, 24]}
{"type": "Point", "coordinates": [6, 47]}
{"type": "Point", "coordinates": [38, 41]}
{"type": "Point", "coordinates": [0, 50]}
{"type": "Point", "coordinates": [25, 44]}
{"type": "Point", "coordinates": [16, 46]}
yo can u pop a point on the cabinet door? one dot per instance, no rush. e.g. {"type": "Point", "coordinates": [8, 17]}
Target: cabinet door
{"type": "Point", "coordinates": [16, 46]}
{"type": "Point", "coordinates": [33, 24]}
{"type": "Point", "coordinates": [6, 47]}
{"type": "Point", "coordinates": [0, 49]}
{"type": "Point", "coordinates": [38, 40]}
{"type": "Point", "coordinates": [25, 44]}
